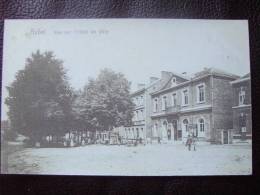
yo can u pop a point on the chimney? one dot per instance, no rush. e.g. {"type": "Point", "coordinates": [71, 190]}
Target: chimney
{"type": "Point", "coordinates": [140, 86]}
{"type": "Point", "coordinates": [165, 74]}
{"type": "Point", "coordinates": [153, 79]}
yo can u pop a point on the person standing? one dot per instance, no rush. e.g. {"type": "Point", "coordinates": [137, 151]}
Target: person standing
{"type": "Point", "coordinates": [194, 142]}
{"type": "Point", "coordinates": [188, 142]}
{"type": "Point", "coordinates": [159, 140]}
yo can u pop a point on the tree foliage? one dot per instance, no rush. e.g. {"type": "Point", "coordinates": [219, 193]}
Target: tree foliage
{"type": "Point", "coordinates": [41, 101]}
{"type": "Point", "coordinates": [40, 97]}
{"type": "Point", "coordinates": [108, 98]}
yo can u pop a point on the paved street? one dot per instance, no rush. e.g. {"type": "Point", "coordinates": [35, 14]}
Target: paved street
{"type": "Point", "coordinates": [141, 160]}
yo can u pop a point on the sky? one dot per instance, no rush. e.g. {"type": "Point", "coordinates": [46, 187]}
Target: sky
{"type": "Point", "coordinates": [138, 48]}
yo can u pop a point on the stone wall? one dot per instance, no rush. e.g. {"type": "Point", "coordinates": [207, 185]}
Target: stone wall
{"type": "Point", "coordinates": [222, 105]}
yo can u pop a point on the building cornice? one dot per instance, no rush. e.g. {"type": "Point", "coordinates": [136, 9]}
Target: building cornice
{"type": "Point", "coordinates": [183, 110]}
{"type": "Point", "coordinates": [138, 92]}
{"type": "Point", "coordinates": [240, 80]}
{"type": "Point", "coordinates": [194, 79]}
{"type": "Point", "coordinates": [197, 108]}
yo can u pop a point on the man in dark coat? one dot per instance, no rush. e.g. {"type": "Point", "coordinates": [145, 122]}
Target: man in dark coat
{"type": "Point", "coordinates": [188, 142]}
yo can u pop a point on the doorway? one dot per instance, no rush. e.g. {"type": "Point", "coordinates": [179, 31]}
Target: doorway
{"type": "Point", "coordinates": [165, 130]}
{"type": "Point", "coordinates": [175, 131]}
{"type": "Point", "coordinates": [225, 137]}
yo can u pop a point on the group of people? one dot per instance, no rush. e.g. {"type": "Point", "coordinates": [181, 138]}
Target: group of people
{"type": "Point", "coordinates": [191, 142]}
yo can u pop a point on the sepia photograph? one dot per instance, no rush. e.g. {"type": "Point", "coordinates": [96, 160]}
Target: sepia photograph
{"type": "Point", "coordinates": [126, 97]}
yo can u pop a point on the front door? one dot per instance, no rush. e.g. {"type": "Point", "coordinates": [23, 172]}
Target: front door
{"type": "Point", "coordinates": [225, 137]}
{"type": "Point", "coordinates": [175, 131]}
{"type": "Point", "coordinates": [165, 131]}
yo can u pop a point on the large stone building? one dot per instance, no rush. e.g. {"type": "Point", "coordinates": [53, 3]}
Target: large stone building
{"type": "Point", "coordinates": [242, 120]}
{"type": "Point", "coordinates": [175, 106]}
{"type": "Point", "coordinates": [199, 105]}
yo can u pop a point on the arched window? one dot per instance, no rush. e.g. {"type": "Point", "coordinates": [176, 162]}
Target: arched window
{"type": "Point", "coordinates": [185, 124]}
{"type": "Point", "coordinates": [201, 125]}
{"type": "Point", "coordinates": [155, 130]}
{"type": "Point", "coordinates": [142, 133]}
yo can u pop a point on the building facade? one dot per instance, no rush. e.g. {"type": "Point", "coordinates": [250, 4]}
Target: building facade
{"type": "Point", "coordinates": [199, 106]}
{"type": "Point", "coordinates": [141, 122]}
{"type": "Point", "coordinates": [242, 111]}
{"type": "Point", "coordinates": [138, 128]}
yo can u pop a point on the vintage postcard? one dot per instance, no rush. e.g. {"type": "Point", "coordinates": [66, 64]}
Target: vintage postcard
{"type": "Point", "coordinates": [131, 97]}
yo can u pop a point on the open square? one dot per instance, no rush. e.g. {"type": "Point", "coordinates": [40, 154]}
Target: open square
{"type": "Point", "coordinates": [170, 159]}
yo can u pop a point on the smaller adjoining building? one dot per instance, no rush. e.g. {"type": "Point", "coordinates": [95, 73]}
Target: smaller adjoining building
{"type": "Point", "coordinates": [137, 130]}
{"type": "Point", "coordinates": [242, 112]}
{"type": "Point", "coordinates": [141, 122]}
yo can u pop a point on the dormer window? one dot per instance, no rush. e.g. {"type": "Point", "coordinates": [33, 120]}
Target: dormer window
{"type": "Point", "coordinates": [174, 81]}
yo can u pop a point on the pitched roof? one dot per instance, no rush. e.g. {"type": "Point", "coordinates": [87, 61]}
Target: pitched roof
{"type": "Point", "coordinates": [215, 71]}
{"type": "Point", "coordinates": [200, 75]}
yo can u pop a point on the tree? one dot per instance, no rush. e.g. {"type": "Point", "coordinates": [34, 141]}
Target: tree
{"type": "Point", "coordinates": [108, 97]}
{"type": "Point", "coordinates": [40, 97]}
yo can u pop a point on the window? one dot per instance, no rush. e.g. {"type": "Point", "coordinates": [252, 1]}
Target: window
{"type": "Point", "coordinates": [155, 105]}
{"type": "Point", "coordinates": [137, 101]}
{"type": "Point", "coordinates": [164, 102]}
{"type": "Point", "coordinates": [201, 125]}
{"type": "Point", "coordinates": [242, 95]}
{"type": "Point", "coordinates": [242, 122]}
{"type": "Point", "coordinates": [185, 97]}
{"type": "Point", "coordinates": [155, 130]}
{"type": "Point", "coordinates": [185, 125]}
{"type": "Point", "coordinates": [142, 100]}
{"type": "Point", "coordinates": [174, 99]}
{"type": "Point", "coordinates": [137, 115]}
{"type": "Point", "coordinates": [201, 93]}
{"type": "Point", "coordinates": [142, 115]}
{"type": "Point", "coordinates": [173, 81]}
